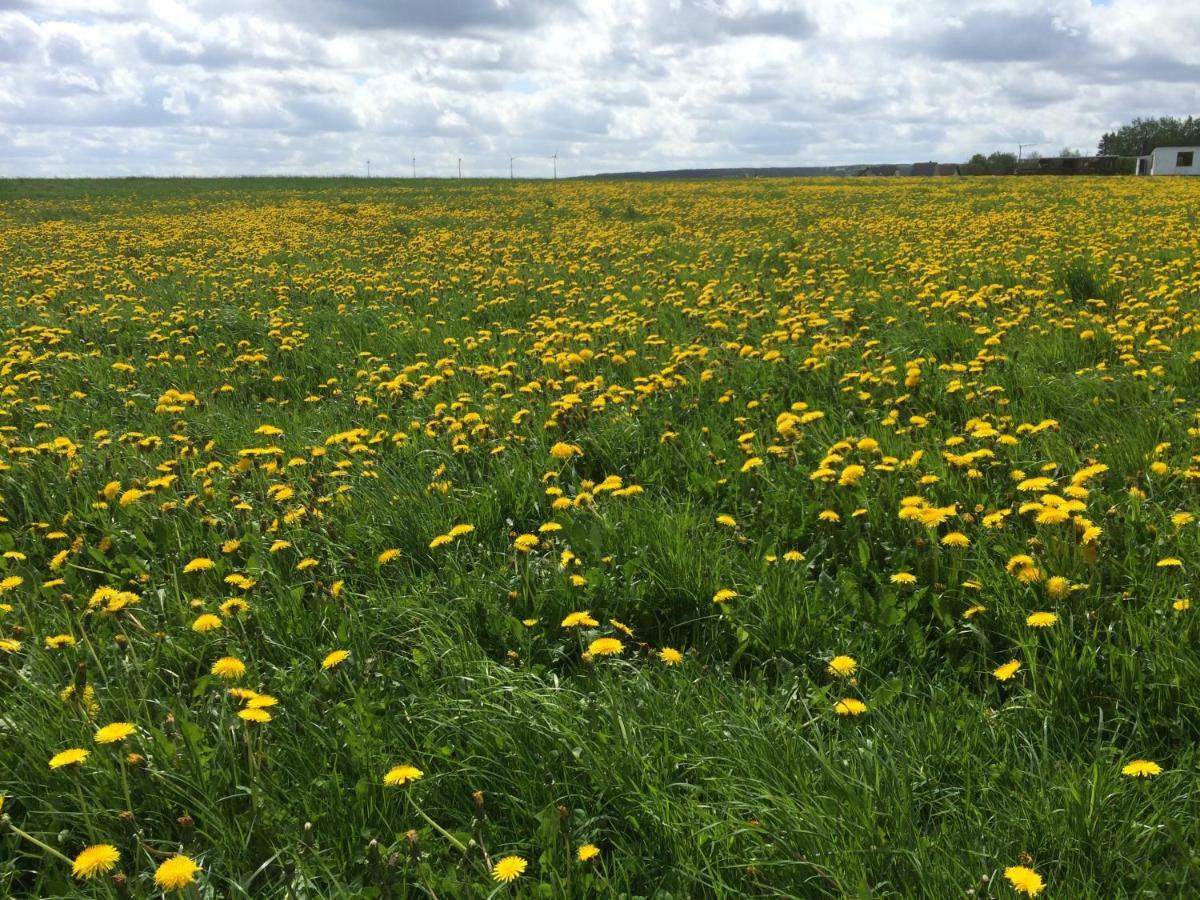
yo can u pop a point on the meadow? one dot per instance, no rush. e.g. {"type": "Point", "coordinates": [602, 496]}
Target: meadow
{"type": "Point", "coordinates": [813, 538]}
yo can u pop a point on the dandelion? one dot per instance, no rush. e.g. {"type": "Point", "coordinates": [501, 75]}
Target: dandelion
{"type": "Point", "coordinates": [229, 667]}
{"type": "Point", "coordinates": [850, 706]}
{"type": "Point", "coordinates": [605, 647]}
{"type": "Point", "coordinates": [563, 452]}
{"type": "Point", "coordinates": [440, 541]}
{"type": "Point", "coordinates": [98, 859]}
{"type": "Point", "coordinates": [334, 659]}
{"type": "Point", "coordinates": [199, 564]}
{"type": "Point", "coordinates": [1183, 603]}
{"type": "Point", "coordinates": [1141, 768]}
{"type": "Point", "coordinates": [11, 582]}
{"type": "Point", "coordinates": [206, 622]}
{"type": "Point", "coordinates": [724, 595]}
{"type": "Point", "coordinates": [727, 521]}
{"type": "Point", "coordinates": [72, 757]}
{"type": "Point", "coordinates": [587, 852]}
{"type": "Point", "coordinates": [114, 733]}
{"type": "Point", "coordinates": [579, 619]}
{"type": "Point", "coordinates": [1041, 619]}
{"type": "Point", "coordinates": [1169, 562]}
{"type": "Point", "coordinates": [829, 515]}
{"type": "Point", "coordinates": [670, 656]}
{"type": "Point", "coordinates": [525, 542]}
{"type": "Point", "coordinates": [255, 715]}
{"type": "Point", "coordinates": [956, 539]}
{"type": "Point", "coordinates": [903, 578]}
{"type": "Point", "coordinates": [177, 872]}
{"type": "Point", "coordinates": [1007, 671]}
{"type": "Point", "coordinates": [842, 666]}
{"type": "Point", "coordinates": [509, 869]}
{"type": "Point", "coordinates": [1024, 880]}
{"type": "Point", "coordinates": [398, 776]}
{"type": "Point", "coordinates": [387, 556]}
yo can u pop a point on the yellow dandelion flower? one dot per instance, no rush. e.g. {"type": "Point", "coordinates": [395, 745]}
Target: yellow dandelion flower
{"type": "Point", "coordinates": [724, 595]}
{"type": "Point", "coordinates": [199, 564]}
{"type": "Point", "coordinates": [114, 733]}
{"type": "Point", "coordinates": [177, 872]}
{"type": "Point", "coordinates": [336, 658]}
{"type": "Point", "coordinates": [1024, 880]}
{"type": "Point", "coordinates": [1169, 562]}
{"type": "Point", "coordinates": [255, 715]}
{"type": "Point", "coordinates": [509, 869]}
{"type": "Point", "coordinates": [587, 852]}
{"type": "Point", "coordinates": [1141, 768]}
{"type": "Point", "coordinates": [72, 757]}
{"type": "Point", "coordinates": [229, 667]}
{"type": "Point", "coordinates": [605, 646]}
{"type": "Point", "coordinates": [578, 619]}
{"type": "Point", "coordinates": [12, 581]}
{"type": "Point", "coordinates": [850, 706]}
{"type": "Point", "coordinates": [842, 666]}
{"type": "Point", "coordinates": [387, 556]}
{"type": "Point", "coordinates": [98, 859]}
{"type": "Point", "coordinates": [525, 542]}
{"type": "Point", "coordinates": [1007, 671]}
{"type": "Point", "coordinates": [1041, 619]}
{"type": "Point", "coordinates": [206, 622]}
{"type": "Point", "coordinates": [670, 656]}
{"type": "Point", "coordinates": [903, 578]}
{"type": "Point", "coordinates": [440, 541]}
{"type": "Point", "coordinates": [398, 776]}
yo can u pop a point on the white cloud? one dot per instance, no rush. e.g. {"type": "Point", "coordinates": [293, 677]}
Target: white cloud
{"type": "Point", "coordinates": [112, 87]}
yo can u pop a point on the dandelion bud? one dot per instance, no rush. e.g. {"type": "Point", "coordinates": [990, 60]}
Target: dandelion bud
{"type": "Point", "coordinates": [127, 816]}
{"type": "Point", "coordinates": [121, 883]}
{"type": "Point", "coordinates": [185, 822]}
{"type": "Point", "coordinates": [477, 796]}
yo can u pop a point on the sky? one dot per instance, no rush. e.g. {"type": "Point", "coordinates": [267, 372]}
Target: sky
{"type": "Point", "coordinates": [318, 87]}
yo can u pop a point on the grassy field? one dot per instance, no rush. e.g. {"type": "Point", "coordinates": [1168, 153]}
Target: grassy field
{"type": "Point", "coordinates": [757, 538]}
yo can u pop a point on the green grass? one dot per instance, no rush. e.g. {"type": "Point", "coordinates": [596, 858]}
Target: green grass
{"type": "Point", "coordinates": [697, 313]}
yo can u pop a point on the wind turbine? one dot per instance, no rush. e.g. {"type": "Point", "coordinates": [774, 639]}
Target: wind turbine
{"type": "Point", "coordinates": [555, 158]}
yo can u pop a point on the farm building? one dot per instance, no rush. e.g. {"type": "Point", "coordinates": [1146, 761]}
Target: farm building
{"type": "Point", "coordinates": [933, 168]}
{"type": "Point", "coordinates": [1076, 165]}
{"type": "Point", "coordinates": [880, 171]}
{"type": "Point", "coordinates": [1170, 161]}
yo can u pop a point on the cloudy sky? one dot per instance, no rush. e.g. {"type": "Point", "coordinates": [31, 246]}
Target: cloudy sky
{"type": "Point", "coordinates": [115, 87]}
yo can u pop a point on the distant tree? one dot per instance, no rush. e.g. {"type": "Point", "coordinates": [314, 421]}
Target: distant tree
{"type": "Point", "coordinates": [1033, 154]}
{"type": "Point", "coordinates": [1141, 136]}
{"type": "Point", "coordinates": [1000, 163]}
{"type": "Point", "coordinates": [1068, 153]}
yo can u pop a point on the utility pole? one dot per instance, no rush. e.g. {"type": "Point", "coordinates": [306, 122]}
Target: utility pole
{"type": "Point", "coordinates": [1021, 150]}
{"type": "Point", "coordinates": [368, 168]}
{"type": "Point", "coordinates": [555, 158]}
{"type": "Point", "coordinates": [460, 168]}
{"type": "Point", "coordinates": [414, 166]}
{"type": "Point", "coordinates": [510, 168]}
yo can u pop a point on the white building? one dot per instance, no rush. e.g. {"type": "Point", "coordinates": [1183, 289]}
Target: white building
{"type": "Point", "coordinates": [1170, 161]}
